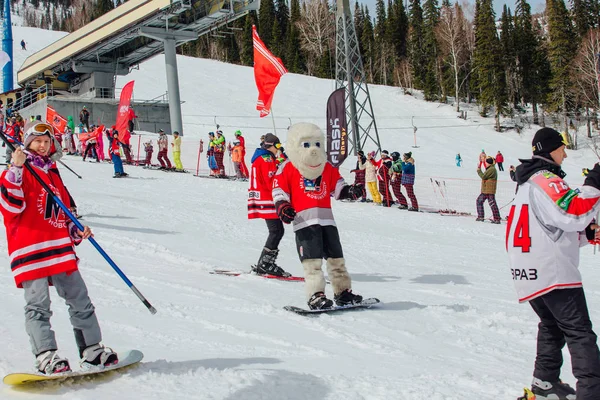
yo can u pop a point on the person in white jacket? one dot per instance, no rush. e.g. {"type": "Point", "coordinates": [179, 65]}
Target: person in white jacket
{"type": "Point", "coordinates": [547, 224]}
{"type": "Point", "coordinates": [371, 178]}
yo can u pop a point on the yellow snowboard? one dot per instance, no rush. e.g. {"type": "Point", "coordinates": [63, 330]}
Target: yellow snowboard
{"type": "Point", "coordinates": [129, 358]}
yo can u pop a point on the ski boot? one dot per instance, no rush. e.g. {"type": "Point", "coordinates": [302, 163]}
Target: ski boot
{"type": "Point", "coordinates": [266, 264]}
{"type": "Point", "coordinates": [347, 297]}
{"type": "Point", "coordinates": [403, 207]}
{"type": "Point", "coordinates": [480, 219]}
{"type": "Point", "coordinates": [496, 221]}
{"type": "Point", "coordinates": [541, 390]}
{"type": "Point", "coordinates": [413, 209]}
{"type": "Point", "coordinates": [319, 301]}
{"type": "Point", "coordinates": [49, 362]}
{"type": "Point", "coordinates": [98, 356]}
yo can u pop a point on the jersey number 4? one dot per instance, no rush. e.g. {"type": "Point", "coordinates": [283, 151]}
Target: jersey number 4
{"type": "Point", "coordinates": [521, 236]}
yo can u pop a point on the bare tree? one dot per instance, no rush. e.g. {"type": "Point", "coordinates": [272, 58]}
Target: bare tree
{"type": "Point", "coordinates": [586, 69]}
{"type": "Point", "coordinates": [317, 30]}
{"type": "Point", "coordinates": [454, 43]}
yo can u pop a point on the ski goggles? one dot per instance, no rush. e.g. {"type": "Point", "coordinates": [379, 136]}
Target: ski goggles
{"type": "Point", "coordinates": [40, 129]}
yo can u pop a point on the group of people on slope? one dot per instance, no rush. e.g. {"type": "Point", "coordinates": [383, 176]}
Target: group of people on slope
{"type": "Point", "coordinates": [163, 150]}
{"type": "Point", "coordinates": [388, 171]}
{"type": "Point", "coordinates": [217, 145]}
{"type": "Point", "coordinates": [499, 159]}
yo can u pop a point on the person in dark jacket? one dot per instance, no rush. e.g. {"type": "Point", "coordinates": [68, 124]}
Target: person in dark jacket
{"type": "Point", "coordinates": [383, 178]}
{"type": "Point", "coordinates": [408, 179]}
{"type": "Point", "coordinates": [84, 118]}
{"type": "Point", "coordinates": [489, 179]}
{"type": "Point", "coordinates": [360, 171]}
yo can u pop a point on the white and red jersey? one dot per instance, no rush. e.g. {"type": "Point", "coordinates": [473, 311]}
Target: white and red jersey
{"type": "Point", "coordinates": [37, 230]}
{"type": "Point", "coordinates": [260, 199]}
{"type": "Point", "coordinates": [545, 229]}
{"type": "Point", "coordinates": [310, 199]}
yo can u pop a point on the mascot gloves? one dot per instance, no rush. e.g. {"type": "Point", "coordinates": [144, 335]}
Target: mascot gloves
{"type": "Point", "coordinates": [285, 211]}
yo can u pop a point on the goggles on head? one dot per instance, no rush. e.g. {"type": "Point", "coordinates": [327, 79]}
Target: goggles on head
{"type": "Point", "coordinates": [40, 129]}
{"type": "Point", "coordinates": [277, 145]}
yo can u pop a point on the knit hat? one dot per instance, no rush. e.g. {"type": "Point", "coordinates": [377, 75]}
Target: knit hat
{"type": "Point", "coordinates": [159, 131]}
{"type": "Point", "coordinates": [489, 160]}
{"type": "Point", "coordinates": [238, 133]}
{"type": "Point", "coordinates": [35, 130]}
{"type": "Point", "coordinates": [408, 155]}
{"type": "Point", "coordinates": [546, 140]}
{"type": "Point", "coordinates": [385, 154]}
{"type": "Point", "coordinates": [271, 140]}
{"type": "Point", "coordinates": [175, 133]}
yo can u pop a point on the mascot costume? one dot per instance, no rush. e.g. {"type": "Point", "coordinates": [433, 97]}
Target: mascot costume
{"type": "Point", "coordinates": [302, 192]}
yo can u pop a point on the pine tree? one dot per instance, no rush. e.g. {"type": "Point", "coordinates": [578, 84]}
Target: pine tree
{"type": "Point", "coordinates": [562, 47]}
{"type": "Point", "coordinates": [431, 17]}
{"type": "Point", "coordinates": [280, 31]}
{"type": "Point", "coordinates": [247, 48]}
{"type": "Point", "coordinates": [380, 56]}
{"type": "Point", "coordinates": [507, 45]}
{"type": "Point", "coordinates": [488, 63]}
{"type": "Point", "coordinates": [398, 27]}
{"type": "Point", "coordinates": [367, 40]}
{"type": "Point", "coordinates": [295, 59]}
{"type": "Point", "coordinates": [416, 44]}
{"type": "Point", "coordinates": [584, 16]}
{"type": "Point", "coordinates": [266, 19]}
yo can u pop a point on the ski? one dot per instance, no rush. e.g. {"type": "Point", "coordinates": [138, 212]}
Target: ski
{"type": "Point", "coordinates": [366, 303]}
{"type": "Point", "coordinates": [129, 358]}
{"type": "Point", "coordinates": [267, 276]}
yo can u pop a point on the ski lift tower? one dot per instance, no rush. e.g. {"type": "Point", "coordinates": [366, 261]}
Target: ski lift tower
{"type": "Point", "coordinates": [350, 74]}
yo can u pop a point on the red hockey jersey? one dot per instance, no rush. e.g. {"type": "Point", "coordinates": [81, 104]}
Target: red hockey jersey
{"type": "Point", "coordinates": [310, 199]}
{"type": "Point", "coordinates": [260, 199]}
{"type": "Point", "coordinates": [37, 230]}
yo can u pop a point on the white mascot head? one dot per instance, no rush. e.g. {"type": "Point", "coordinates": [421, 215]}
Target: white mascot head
{"type": "Point", "coordinates": [305, 149]}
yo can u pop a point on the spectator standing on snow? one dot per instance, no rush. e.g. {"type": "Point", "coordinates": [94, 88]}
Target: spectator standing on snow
{"type": "Point", "coordinates": [482, 157]}
{"type": "Point", "coordinates": [176, 144]}
{"type": "Point", "coordinates": [84, 117]}
{"type": "Point", "coordinates": [130, 117]}
{"type": "Point", "coordinates": [149, 149]}
{"type": "Point", "coordinates": [115, 155]}
{"type": "Point", "coordinates": [242, 140]}
{"type": "Point", "coordinates": [458, 160]}
{"type": "Point", "coordinates": [548, 224]}
{"type": "Point", "coordinates": [489, 179]}
{"type": "Point", "coordinates": [383, 178]}
{"type": "Point", "coordinates": [499, 161]}
{"type": "Point", "coordinates": [359, 173]}
{"type": "Point", "coordinates": [163, 148]}
{"type": "Point", "coordinates": [236, 158]}
{"type": "Point", "coordinates": [408, 179]}
{"type": "Point", "coordinates": [90, 148]}
{"type": "Point", "coordinates": [219, 149]}
{"type": "Point", "coordinates": [23, 45]}
{"type": "Point", "coordinates": [396, 180]}
{"type": "Point", "coordinates": [371, 177]}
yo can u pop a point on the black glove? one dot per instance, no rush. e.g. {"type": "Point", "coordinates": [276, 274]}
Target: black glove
{"type": "Point", "coordinates": [3, 144]}
{"type": "Point", "coordinates": [590, 234]}
{"type": "Point", "coordinates": [285, 211]}
{"type": "Point", "coordinates": [593, 177]}
{"type": "Point", "coordinates": [352, 192]}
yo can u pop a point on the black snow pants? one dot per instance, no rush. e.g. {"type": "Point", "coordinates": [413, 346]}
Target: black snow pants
{"type": "Point", "coordinates": [564, 318]}
{"type": "Point", "coordinates": [276, 231]}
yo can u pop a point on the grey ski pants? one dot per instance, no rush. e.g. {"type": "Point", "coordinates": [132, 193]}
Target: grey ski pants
{"type": "Point", "coordinates": [81, 311]}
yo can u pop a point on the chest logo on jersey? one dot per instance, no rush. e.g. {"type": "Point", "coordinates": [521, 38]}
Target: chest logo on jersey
{"type": "Point", "coordinates": [50, 210]}
{"type": "Point", "coordinates": [314, 190]}
{"type": "Point", "coordinates": [524, 274]}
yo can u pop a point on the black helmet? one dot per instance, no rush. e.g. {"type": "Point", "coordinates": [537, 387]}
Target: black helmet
{"type": "Point", "coordinates": [395, 156]}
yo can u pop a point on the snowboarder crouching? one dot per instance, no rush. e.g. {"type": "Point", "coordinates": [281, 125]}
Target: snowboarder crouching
{"type": "Point", "coordinates": [301, 192]}
{"type": "Point", "coordinates": [40, 246]}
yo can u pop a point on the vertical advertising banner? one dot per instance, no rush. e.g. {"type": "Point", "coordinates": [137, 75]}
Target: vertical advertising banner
{"type": "Point", "coordinates": [123, 110]}
{"type": "Point", "coordinates": [337, 129]}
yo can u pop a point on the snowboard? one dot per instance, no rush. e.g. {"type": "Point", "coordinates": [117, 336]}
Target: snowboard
{"type": "Point", "coordinates": [129, 358]}
{"type": "Point", "coordinates": [366, 303]}
{"type": "Point", "coordinates": [238, 273]}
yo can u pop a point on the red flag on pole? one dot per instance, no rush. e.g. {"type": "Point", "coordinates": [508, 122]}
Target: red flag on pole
{"type": "Point", "coordinates": [123, 110]}
{"type": "Point", "coordinates": [268, 70]}
{"type": "Point", "coordinates": [56, 120]}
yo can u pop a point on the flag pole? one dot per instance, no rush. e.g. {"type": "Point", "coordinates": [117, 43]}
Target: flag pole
{"type": "Point", "coordinates": [273, 118]}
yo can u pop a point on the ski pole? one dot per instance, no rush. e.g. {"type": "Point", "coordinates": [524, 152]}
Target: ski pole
{"type": "Point", "coordinates": [67, 167]}
{"type": "Point", "coordinates": [80, 226]}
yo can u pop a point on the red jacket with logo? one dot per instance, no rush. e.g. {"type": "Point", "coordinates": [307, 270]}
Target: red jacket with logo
{"type": "Point", "coordinates": [260, 199]}
{"type": "Point", "coordinates": [40, 236]}
{"type": "Point", "coordinates": [310, 199]}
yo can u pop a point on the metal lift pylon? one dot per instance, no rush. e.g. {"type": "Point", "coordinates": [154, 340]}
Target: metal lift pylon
{"type": "Point", "coordinates": [350, 74]}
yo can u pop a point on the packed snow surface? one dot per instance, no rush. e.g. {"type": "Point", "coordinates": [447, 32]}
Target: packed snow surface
{"type": "Point", "coordinates": [449, 326]}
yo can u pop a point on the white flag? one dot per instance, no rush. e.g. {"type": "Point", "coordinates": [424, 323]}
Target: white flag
{"type": "Point", "coordinates": [4, 58]}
